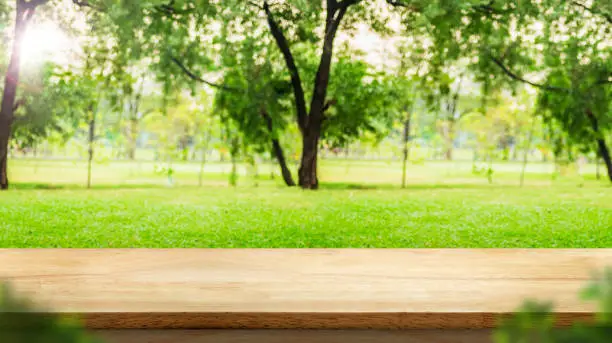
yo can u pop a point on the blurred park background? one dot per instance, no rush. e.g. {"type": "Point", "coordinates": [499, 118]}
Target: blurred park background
{"type": "Point", "coordinates": [414, 123]}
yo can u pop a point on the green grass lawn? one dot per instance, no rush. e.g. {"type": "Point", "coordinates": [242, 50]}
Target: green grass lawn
{"type": "Point", "coordinates": [428, 214]}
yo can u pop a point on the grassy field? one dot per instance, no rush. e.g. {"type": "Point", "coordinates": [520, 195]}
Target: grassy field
{"type": "Point", "coordinates": [444, 206]}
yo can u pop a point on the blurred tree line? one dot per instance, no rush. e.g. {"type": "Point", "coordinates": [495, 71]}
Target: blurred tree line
{"type": "Point", "coordinates": [284, 81]}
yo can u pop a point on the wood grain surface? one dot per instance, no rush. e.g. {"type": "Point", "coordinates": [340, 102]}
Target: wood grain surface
{"type": "Point", "coordinates": [295, 336]}
{"type": "Point", "coordinates": [302, 288]}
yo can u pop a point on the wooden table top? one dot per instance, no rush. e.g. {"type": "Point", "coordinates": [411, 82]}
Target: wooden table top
{"type": "Point", "coordinates": [300, 288]}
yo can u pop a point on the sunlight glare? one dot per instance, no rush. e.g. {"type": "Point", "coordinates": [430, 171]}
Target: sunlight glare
{"type": "Point", "coordinates": [44, 42]}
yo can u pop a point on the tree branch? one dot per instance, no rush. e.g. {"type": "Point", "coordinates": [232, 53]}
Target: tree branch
{"type": "Point", "coordinates": [86, 3]}
{"type": "Point", "coordinates": [329, 104]}
{"type": "Point", "coordinates": [347, 3]}
{"type": "Point", "coordinates": [452, 107]}
{"type": "Point", "coordinates": [199, 79]}
{"type": "Point", "coordinates": [82, 3]}
{"type": "Point", "coordinates": [489, 9]}
{"type": "Point", "coordinates": [296, 82]}
{"type": "Point", "coordinates": [514, 76]}
{"type": "Point", "coordinates": [466, 112]}
{"type": "Point", "coordinates": [606, 16]}
{"type": "Point", "coordinates": [254, 4]}
{"type": "Point", "coordinates": [32, 4]}
{"type": "Point", "coordinates": [277, 150]}
{"type": "Point", "coordinates": [18, 104]}
{"type": "Point", "coordinates": [267, 119]}
{"type": "Point", "coordinates": [169, 9]}
{"type": "Point", "coordinates": [397, 3]}
{"type": "Point", "coordinates": [144, 114]}
{"type": "Point", "coordinates": [333, 28]}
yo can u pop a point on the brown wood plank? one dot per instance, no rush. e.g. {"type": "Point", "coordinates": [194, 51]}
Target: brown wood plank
{"type": "Point", "coordinates": [295, 336]}
{"type": "Point", "coordinates": [301, 288]}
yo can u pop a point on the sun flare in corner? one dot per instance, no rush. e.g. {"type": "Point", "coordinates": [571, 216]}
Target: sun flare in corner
{"type": "Point", "coordinates": [45, 42]}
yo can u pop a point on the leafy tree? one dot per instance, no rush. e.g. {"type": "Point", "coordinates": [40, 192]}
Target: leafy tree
{"type": "Point", "coordinates": [24, 11]}
{"type": "Point", "coordinates": [564, 40]}
{"type": "Point", "coordinates": [90, 79]}
{"type": "Point", "coordinates": [507, 42]}
{"type": "Point", "coordinates": [296, 22]}
{"type": "Point", "coordinates": [289, 23]}
{"type": "Point", "coordinates": [583, 114]}
{"type": "Point", "coordinates": [47, 104]}
{"type": "Point", "coordinates": [576, 92]}
{"type": "Point", "coordinates": [361, 102]}
{"type": "Point", "coordinates": [527, 147]}
{"type": "Point", "coordinates": [255, 97]}
{"type": "Point", "coordinates": [203, 129]}
{"type": "Point", "coordinates": [255, 94]}
{"type": "Point", "coordinates": [133, 106]}
{"type": "Point", "coordinates": [452, 104]}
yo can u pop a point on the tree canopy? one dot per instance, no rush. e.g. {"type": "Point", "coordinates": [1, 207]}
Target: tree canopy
{"type": "Point", "coordinates": [281, 66]}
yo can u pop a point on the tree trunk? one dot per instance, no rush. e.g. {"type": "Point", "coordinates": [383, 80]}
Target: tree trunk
{"type": "Point", "coordinates": [255, 171]}
{"type": "Point", "coordinates": [406, 151]}
{"type": "Point", "coordinates": [233, 152]}
{"type": "Point", "coordinates": [310, 126]}
{"type": "Point", "coordinates": [448, 154]}
{"type": "Point", "coordinates": [514, 148]}
{"type": "Point", "coordinates": [277, 150]}
{"type": "Point", "coordinates": [280, 157]}
{"type": "Point", "coordinates": [90, 149]}
{"type": "Point", "coordinates": [170, 172]}
{"type": "Point", "coordinates": [4, 183]}
{"type": "Point", "coordinates": [526, 155]}
{"type": "Point", "coordinates": [203, 161]}
{"type": "Point", "coordinates": [490, 170]}
{"type": "Point", "coordinates": [133, 139]}
{"type": "Point", "coordinates": [308, 178]}
{"type": "Point", "coordinates": [23, 15]}
{"type": "Point", "coordinates": [449, 133]}
{"type": "Point", "coordinates": [233, 180]}
{"type": "Point", "coordinates": [605, 154]}
{"type": "Point", "coordinates": [601, 143]}
{"type": "Point", "coordinates": [308, 164]}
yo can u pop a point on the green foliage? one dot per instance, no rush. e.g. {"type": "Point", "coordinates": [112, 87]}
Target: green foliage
{"type": "Point", "coordinates": [601, 292]}
{"type": "Point", "coordinates": [21, 322]}
{"type": "Point", "coordinates": [571, 109]}
{"type": "Point", "coordinates": [535, 321]}
{"type": "Point", "coordinates": [156, 31]}
{"type": "Point", "coordinates": [502, 42]}
{"type": "Point", "coordinates": [364, 102]}
{"type": "Point", "coordinates": [257, 95]}
{"type": "Point", "coordinates": [5, 10]}
{"type": "Point", "coordinates": [559, 45]}
{"type": "Point", "coordinates": [49, 103]}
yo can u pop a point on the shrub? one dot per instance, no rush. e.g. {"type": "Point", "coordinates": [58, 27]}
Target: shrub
{"type": "Point", "coordinates": [534, 322]}
{"type": "Point", "coordinates": [21, 322]}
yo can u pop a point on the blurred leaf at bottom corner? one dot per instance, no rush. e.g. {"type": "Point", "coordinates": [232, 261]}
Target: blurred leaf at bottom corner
{"type": "Point", "coordinates": [22, 322]}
